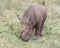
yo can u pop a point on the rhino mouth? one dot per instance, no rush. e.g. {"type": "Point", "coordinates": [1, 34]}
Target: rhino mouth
{"type": "Point", "coordinates": [24, 39]}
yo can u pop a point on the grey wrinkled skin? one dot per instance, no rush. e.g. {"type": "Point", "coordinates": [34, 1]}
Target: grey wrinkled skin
{"type": "Point", "coordinates": [33, 18]}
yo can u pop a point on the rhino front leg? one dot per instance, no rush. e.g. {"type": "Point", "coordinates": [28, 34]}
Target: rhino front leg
{"type": "Point", "coordinates": [39, 28]}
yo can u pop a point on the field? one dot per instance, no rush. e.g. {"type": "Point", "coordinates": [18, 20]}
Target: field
{"type": "Point", "coordinates": [9, 24]}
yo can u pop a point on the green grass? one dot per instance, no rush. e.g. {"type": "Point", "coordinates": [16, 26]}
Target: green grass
{"type": "Point", "coordinates": [9, 24]}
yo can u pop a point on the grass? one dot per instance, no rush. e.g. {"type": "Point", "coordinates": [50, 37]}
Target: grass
{"type": "Point", "coordinates": [9, 24]}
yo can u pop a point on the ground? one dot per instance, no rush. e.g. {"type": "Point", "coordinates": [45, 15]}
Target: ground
{"type": "Point", "coordinates": [9, 24]}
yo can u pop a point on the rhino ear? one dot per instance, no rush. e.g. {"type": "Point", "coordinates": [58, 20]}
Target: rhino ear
{"type": "Point", "coordinates": [28, 20]}
{"type": "Point", "coordinates": [19, 17]}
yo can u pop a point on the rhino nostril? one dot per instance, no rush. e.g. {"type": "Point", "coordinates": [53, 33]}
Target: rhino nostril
{"type": "Point", "coordinates": [21, 32]}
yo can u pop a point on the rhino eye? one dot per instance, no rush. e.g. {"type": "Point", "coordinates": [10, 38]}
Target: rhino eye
{"type": "Point", "coordinates": [22, 31]}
